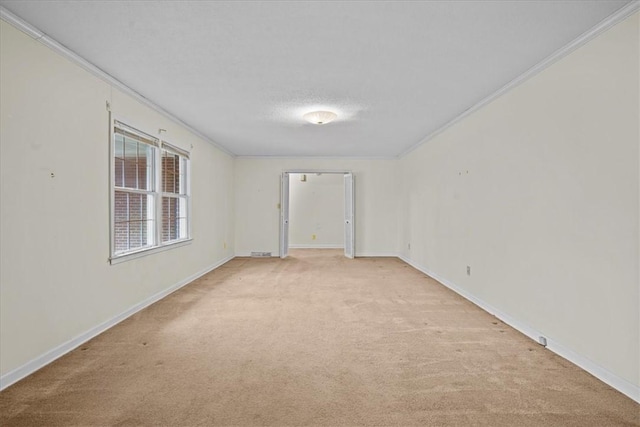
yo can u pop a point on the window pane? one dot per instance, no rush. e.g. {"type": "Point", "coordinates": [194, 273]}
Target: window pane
{"type": "Point", "coordinates": [119, 172]}
{"type": "Point", "coordinates": [130, 149]}
{"type": "Point", "coordinates": [174, 218]}
{"type": "Point", "coordinates": [168, 218]}
{"type": "Point", "coordinates": [136, 206]}
{"type": "Point", "coordinates": [168, 227]}
{"type": "Point", "coordinates": [137, 171]}
{"type": "Point", "coordinates": [121, 208]}
{"type": "Point", "coordinates": [167, 168]}
{"type": "Point", "coordinates": [119, 146]}
{"type": "Point", "coordinates": [121, 237]}
{"type": "Point", "coordinates": [133, 163]}
{"type": "Point", "coordinates": [139, 236]}
{"type": "Point", "coordinates": [183, 175]}
{"type": "Point", "coordinates": [182, 228]}
{"type": "Point", "coordinates": [169, 208]}
{"type": "Point", "coordinates": [170, 172]}
{"type": "Point", "coordinates": [182, 218]}
{"type": "Point", "coordinates": [174, 170]}
{"type": "Point", "coordinates": [135, 234]}
{"type": "Point", "coordinates": [150, 232]}
{"type": "Point", "coordinates": [145, 164]}
{"type": "Point", "coordinates": [119, 160]}
{"type": "Point", "coordinates": [133, 221]}
{"type": "Point", "coordinates": [130, 172]}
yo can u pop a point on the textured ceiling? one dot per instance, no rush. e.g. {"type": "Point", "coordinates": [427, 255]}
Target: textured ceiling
{"type": "Point", "coordinates": [244, 73]}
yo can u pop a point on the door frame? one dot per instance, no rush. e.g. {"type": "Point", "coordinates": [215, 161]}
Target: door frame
{"type": "Point", "coordinates": [284, 206]}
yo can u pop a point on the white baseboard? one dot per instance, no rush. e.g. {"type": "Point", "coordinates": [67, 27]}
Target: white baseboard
{"type": "Point", "coordinates": [623, 386]}
{"type": "Point", "coordinates": [316, 246]}
{"type": "Point", "coordinates": [366, 254]}
{"type": "Point", "coordinates": [604, 375]}
{"type": "Point", "coordinates": [248, 255]}
{"type": "Point", "coordinates": [620, 384]}
{"type": "Point", "coordinates": [41, 361]}
{"type": "Point", "coordinates": [358, 254]}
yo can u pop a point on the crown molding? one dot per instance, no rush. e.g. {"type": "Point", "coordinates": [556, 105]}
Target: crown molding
{"type": "Point", "coordinates": [604, 25]}
{"type": "Point", "coordinates": [52, 44]}
{"type": "Point", "coordinates": [589, 35]}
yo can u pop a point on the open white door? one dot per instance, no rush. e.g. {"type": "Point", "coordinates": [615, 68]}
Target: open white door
{"type": "Point", "coordinates": [284, 215]}
{"type": "Point", "coordinates": [349, 205]}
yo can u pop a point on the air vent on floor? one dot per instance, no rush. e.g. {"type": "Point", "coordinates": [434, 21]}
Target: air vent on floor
{"type": "Point", "coordinates": [260, 254]}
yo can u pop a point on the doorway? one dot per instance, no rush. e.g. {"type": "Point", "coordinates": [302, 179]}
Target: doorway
{"type": "Point", "coordinates": [347, 217]}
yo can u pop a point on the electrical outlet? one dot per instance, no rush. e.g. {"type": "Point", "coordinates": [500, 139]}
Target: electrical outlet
{"type": "Point", "coordinates": [313, 237]}
{"type": "Point", "coordinates": [468, 270]}
{"type": "Point", "coordinates": [408, 245]}
{"type": "Point", "coordinates": [224, 244]}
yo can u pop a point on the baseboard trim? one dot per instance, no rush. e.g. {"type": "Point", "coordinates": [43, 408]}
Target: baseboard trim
{"type": "Point", "coordinates": [623, 386]}
{"type": "Point", "coordinates": [248, 255]}
{"type": "Point", "coordinates": [41, 361]}
{"type": "Point", "coordinates": [376, 254]}
{"type": "Point", "coordinates": [317, 246]}
{"type": "Point", "coordinates": [358, 254]}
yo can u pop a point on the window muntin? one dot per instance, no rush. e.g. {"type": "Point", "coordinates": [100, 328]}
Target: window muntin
{"type": "Point", "coordinates": [150, 199]}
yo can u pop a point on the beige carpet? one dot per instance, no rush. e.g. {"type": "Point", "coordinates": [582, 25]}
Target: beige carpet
{"type": "Point", "coordinates": [315, 339]}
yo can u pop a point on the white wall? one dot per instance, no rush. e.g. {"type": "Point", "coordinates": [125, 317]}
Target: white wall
{"type": "Point", "coordinates": [316, 210]}
{"type": "Point", "coordinates": [538, 193]}
{"type": "Point", "coordinates": [257, 187]}
{"type": "Point", "coordinates": [56, 282]}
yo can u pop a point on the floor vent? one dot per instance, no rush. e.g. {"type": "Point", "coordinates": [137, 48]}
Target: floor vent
{"type": "Point", "coordinates": [260, 254]}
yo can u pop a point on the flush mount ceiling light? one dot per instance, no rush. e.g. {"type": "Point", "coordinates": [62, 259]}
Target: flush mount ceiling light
{"type": "Point", "coordinates": [320, 117]}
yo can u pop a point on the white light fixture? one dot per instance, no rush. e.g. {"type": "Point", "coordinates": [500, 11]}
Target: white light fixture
{"type": "Point", "coordinates": [320, 117]}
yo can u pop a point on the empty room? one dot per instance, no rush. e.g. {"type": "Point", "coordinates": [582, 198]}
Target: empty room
{"type": "Point", "coordinates": [340, 213]}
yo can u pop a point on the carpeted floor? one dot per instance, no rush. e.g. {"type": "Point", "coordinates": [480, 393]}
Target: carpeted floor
{"type": "Point", "coordinates": [315, 339]}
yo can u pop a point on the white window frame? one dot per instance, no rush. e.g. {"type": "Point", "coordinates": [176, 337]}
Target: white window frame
{"type": "Point", "coordinates": [157, 195]}
{"type": "Point", "coordinates": [187, 196]}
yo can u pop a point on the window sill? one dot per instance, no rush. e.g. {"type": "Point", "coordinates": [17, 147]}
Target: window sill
{"type": "Point", "coordinates": [117, 259]}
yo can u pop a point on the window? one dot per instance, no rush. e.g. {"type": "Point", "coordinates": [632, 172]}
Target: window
{"type": "Point", "coordinates": [150, 192]}
{"type": "Point", "coordinates": [175, 197]}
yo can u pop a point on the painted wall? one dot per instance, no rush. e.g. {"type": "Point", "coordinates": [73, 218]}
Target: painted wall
{"type": "Point", "coordinates": [56, 282]}
{"type": "Point", "coordinates": [257, 187]}
{"type": "Point", "coordinates": [538, 192]}
{"type": "Point", "coordinates": [316, 210]}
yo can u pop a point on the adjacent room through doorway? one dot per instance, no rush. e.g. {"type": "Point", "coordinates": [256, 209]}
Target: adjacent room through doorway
{"type": "Point", "coordinates": [317, 211]}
